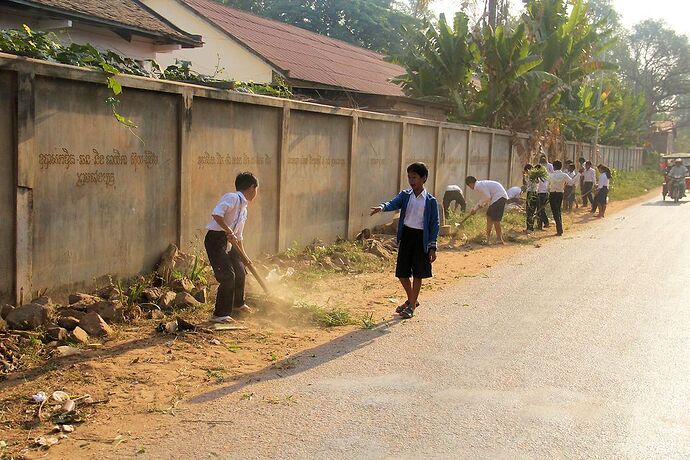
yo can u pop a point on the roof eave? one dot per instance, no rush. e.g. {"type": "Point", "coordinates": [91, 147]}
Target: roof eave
{"type": "Point", "coordinates": [188, 40]}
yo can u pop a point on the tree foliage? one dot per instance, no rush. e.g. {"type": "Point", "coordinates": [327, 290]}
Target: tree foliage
{"type": "Point", "coordinates": [372, 24]}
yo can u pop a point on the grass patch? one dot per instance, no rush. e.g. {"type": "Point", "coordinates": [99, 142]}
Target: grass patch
{"type": "Point", "coordinates": [474, 228]}
{"type": "Point", "coordinates": [631, 184]}
{"type": "Point", "coordinates": [322, 317]}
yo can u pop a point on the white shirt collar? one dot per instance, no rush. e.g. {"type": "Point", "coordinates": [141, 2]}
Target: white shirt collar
{"type": "Point", "coordinates": [243, 198]}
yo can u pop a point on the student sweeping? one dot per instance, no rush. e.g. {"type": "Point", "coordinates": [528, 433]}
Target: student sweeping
{"type": "Point", "coordinates": [543, 194]}
{"type": "Point", "coordinates": [558, 180]}
{"type": "Point", "coordinates": [603, 191]}
{"type": "Point", "coordinates": [226, 226]}
{"type": "Point", "coordinates": [588, 182]}
{"type": "Point", "coordinates": [417, 234]}
{"type": "Point", "coordinates": [493, 195]}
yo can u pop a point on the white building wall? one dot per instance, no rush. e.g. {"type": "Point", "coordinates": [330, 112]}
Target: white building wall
{"type": "Point", "coordinates": [220, 56]}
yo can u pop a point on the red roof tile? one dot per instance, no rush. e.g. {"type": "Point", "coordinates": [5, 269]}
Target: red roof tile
{"type": "Point", "coordinates": [305, 55]}
{"type": "Point", "coordinates": [124, 14]}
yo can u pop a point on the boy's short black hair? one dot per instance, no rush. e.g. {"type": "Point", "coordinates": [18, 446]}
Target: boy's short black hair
{"type": "Point", "coordinates": [419, 168]}
{"type": "Point", "coordinates": [469, 180]}
{"type": "Point", "coordinates": [245, 180]}
{"type": "Point", "coordinates": [581, 160]}
{"type": "Point", "coordinates": [527, 167]}
{"type": "Point", "coordinates": [557, 165]}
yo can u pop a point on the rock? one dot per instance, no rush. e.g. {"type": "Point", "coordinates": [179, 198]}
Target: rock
{"type": "Point", "coordinates": [175, 260]}
{"type": "Point", "coordinates": [152, 294]}
{"type": "Point", "coordinates": [29, 316]}
{"type": "Point", "coordinates": [79, 335]}
{"type": "Point", "coordinates": [83, 298]}
{"type": "Point", "coordinates": [156, 314]}
{"type": "Point", "coordinates": [185, 300]}
{"type": "Point", "coordinates": [3, 325]}
{"type": "Point", "coordinates": [65, 350]}
{"type": "Point", "coordinates": [167, 300]}
{"type": "Point", "coordinates": [56, 333]}
{"type": "Point", "coordinates": [43, 300]}
{"type": "Point", "coordinates": [94, 325]}
{"type": "Point", "coordinates": [365, 234]}
{"type": "Point", "coordinates": [64, 312]}
{"type": "Point", "coordinates": [201, 295]}
{"type": "Point", "coordinates": [107, 309]}
{"type": "Point", "coordinates": [182, 285]}
{"type": "Point", "coordinates": [68, 322]}
{"type": "Point", "coordinates": [377, 248]}
{"type": "Point", "coordinates": [110, 292]}
{"type": "Point", "coordinates": [5, 310]}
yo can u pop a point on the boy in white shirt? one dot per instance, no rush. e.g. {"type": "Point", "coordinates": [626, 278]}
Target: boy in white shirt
{"type": "Point", "coordinates": [492, 194]}
{"type": "Point", "coordinates": [226, 226]}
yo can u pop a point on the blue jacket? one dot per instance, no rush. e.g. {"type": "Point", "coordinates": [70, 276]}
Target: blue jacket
{"type": "Point", "coordinates": [431, 222]}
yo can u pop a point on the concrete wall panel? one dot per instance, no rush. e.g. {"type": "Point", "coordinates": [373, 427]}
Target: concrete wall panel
{"type": "Point", "coordinates": [421, 146]}
{"type": "Point", "coordinates": [452, 163]}
{"type": "Point", "coordinates": [479, 155]}
{"type": "Point", "coordinates": [376, 169]}
{"type": "Point", "coordinates": [316, 177]}
{"type": "Point", "coordinates": [105, 201]}
{"type": "Point", "coordinates": [7, 196]}
{"type": "Point", "coordinates": [500, 159]}
{"type": "Point", "coordinates": [229, 138]}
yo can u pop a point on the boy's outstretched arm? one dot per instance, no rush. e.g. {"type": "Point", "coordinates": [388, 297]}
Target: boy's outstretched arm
{"type": "Point", "coordinates": [392, 205]}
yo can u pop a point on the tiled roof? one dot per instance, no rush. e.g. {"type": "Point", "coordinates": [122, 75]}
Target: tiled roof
{"type": "Point", "coordinates": [123, 14]}
{"type": "Point", "coordinates": [305, 55]}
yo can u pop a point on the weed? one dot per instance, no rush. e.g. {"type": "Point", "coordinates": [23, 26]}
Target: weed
{"type": "Point", "coordinates": [368, 321]}
{"type": "Point", "coordinates": [216, 374]}
{"type": "Point", "coordinates": [327, 318]}
{"type": "Point", "coordinates": [233, 347]}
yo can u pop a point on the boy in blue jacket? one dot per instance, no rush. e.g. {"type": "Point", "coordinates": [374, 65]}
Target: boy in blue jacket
{"type": "Point", "coordinates": [417, 234]}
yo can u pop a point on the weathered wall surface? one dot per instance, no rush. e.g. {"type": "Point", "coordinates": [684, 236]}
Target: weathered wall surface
{"type": "Point", "coordinates": [81, 196]}
{"type": "Point", "coordinates": [7, 203]}
{"type": "Point", "coordinates": [230, 138]}
{"type": "Point", "coordinates": [104, 202]}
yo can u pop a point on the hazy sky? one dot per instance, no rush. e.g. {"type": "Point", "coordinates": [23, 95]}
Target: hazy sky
{"type": "Point", "coordinates": [674, 12]}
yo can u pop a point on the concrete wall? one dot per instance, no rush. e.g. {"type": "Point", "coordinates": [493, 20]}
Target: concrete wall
{"type": "Point", "coordinates": [7, 198]}
{"type": "Point", "coordinates": [81, 196]}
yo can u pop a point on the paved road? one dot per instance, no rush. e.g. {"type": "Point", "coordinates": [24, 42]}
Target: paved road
{"type": "Point", "coordinates": [577, 349]}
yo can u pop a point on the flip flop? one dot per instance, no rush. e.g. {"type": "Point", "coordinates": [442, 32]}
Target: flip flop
{"type": "Point", "coordinates": [222, 319]}
{"type": "Point", "coordinates": [402, 307]}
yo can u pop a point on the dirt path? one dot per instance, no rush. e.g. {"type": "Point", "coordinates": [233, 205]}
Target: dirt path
{"type": "Point", "coordinates": [146, 377]}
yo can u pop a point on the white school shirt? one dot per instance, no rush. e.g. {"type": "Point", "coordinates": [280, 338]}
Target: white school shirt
{"type": "Point", "coordinates": [414, 214]}
{"type": "Point", "coordinates": [589, 175]}
{"type": "Point", "coordinates": [603, 180]}
{"type": "Point", "coordinates": [453, 188]}
{"type": "Point", "coordinates": [558, 180]}
{"type": "Point", "coordinates": [543, 186]}
{"type": "Point", "coordinates": [548, 166]}
{"type": "Point", "coordinates": [489, 192]}
{"type": "Point", "coordinates": [513, 192]}
{"type": "Point", "coordinates": [232, 207]}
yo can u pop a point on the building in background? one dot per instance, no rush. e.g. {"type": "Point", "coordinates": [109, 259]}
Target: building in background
{"type": "Point", "coordinates": [662, 136]}
{"type": "Point", "coordinates": [242, 46]}
{"type": "Point", "coordinates": [127, 27]}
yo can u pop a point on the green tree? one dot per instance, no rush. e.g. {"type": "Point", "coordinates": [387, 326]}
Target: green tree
{"type": "Point", "coordinates": [372, 24]}
{"type": "Point", "coordinates": [658, 64]}
{"type": "Point", "coordinates": [440, 62]}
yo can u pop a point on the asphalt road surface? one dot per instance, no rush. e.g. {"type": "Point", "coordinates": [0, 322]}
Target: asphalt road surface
{"type": "Point", "coordinates": [577, 349]}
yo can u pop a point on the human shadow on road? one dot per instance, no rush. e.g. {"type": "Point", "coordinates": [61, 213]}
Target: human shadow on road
{"type": "Point", "coordinates": [303, 360]}
{"type": "Point", "coordinates": [665, 203]}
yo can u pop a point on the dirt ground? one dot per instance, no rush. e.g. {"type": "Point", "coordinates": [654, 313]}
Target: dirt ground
{"type": "Point", "coordinates": [138, 379]}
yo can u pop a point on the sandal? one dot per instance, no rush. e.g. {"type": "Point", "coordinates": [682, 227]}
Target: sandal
{"type": "Point", "coordinates": [402, 307]}
{"type": "Point", "coordinates": [407, 313]}
{"type": "Point", "coordinates": [222, 319]}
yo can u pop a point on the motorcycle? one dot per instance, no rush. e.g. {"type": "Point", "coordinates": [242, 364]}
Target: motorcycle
{"type": "Point", "coordinates": [676, 188]}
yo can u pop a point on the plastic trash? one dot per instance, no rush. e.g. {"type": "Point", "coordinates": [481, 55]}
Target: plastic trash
{"type": "Point", "coordinates": [273, 276]}
{"type": "Point", "coordinates": [60, 396]}
{"type": "Point", "coordinates": [39, 397]}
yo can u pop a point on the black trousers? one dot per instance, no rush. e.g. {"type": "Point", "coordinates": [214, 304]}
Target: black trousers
{"type": "Point", "coordinates": [450, 196]}
{"type": "Point", "coordinates": [600, 200]}
{"type": "Point", "coordinates": [542, 218]}
{"type": "Point", "coordinates": [531, 208]}
{"type": "Point", "coordinates": [587, 193]}
{"type": "Point", "coordinates": [229, 271]}
{"type": "Point", "coordinates": [556, 201]}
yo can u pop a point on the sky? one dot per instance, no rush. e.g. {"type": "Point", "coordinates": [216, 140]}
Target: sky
{"type": "Point", "coordinates": [674, 12]}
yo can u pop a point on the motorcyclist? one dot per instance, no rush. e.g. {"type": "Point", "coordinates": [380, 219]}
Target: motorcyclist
{"type": "Point", "coordinates": [676, 174]}
{"type": "Point", "coordinates": [678, 171]}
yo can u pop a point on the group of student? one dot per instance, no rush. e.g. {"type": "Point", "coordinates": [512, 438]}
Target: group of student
{"type": "Point", "coordinates": [558, 189]}
{"type": "Point", "coordinates": [418, 226]}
